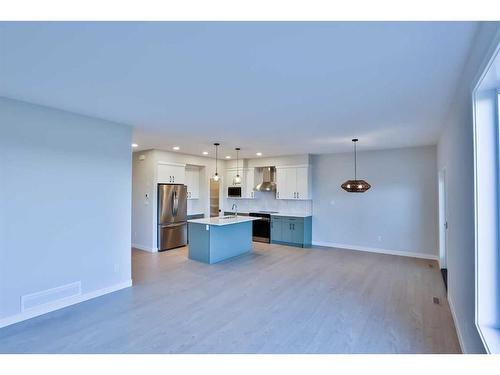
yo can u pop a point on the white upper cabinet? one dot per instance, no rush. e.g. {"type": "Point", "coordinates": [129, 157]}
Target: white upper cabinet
{"type": "Point", "coordinates": [230, 175]}
{"type": "Point", "coordinates": [303, 183]}
{"type": "Point", "coordinates": [248, 183]}
{"type": "Point", "coordinates": [293, 182]}
{"type": "Point", "coordinates": [171, 173]}
{"type": "Point", "coordinates": [283, 183]}
{"type": "Point", "coordinates": [193, 182]}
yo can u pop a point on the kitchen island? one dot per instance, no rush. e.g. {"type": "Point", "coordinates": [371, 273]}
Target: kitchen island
{"type": "Point", "coordinates": [215, 239]}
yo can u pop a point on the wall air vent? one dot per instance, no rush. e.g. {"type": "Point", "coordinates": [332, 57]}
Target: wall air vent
{"type": "Point", "coordinates": [50, 296]}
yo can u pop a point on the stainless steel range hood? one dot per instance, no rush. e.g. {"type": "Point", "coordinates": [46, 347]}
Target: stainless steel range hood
{"type": "Point", "coordinates": [268, 180]}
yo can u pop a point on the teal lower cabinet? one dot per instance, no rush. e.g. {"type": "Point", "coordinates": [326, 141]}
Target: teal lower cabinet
{"type": "Point", "coordinates": [276, 228]}
{"type": "Point", "coordinates": [293, 231]}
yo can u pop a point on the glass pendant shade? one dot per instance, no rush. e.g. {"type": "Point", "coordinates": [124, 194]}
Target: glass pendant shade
{"type": "Point", "coordinates": [237, 180]}
{"type": "Point", "coordinates": [355, 186]}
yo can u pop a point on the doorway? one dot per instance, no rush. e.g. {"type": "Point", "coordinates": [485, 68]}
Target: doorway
{"type": "Point", "coordinates": [214, 198]}
{"type": "Point", "coordinates": [443, 226]}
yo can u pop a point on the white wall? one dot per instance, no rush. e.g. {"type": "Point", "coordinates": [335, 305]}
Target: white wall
{"type": "Point", "coordinates": [398, 214]}
{"type": "Point", "coordinates": [143, 182]}
{"type": "Point", "coordinates": [64, 203]}
{"type": "Point", "coordinates": [455, 153]}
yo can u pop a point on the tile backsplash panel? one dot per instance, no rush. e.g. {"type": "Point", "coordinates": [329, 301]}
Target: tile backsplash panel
{"type": "Point", "coordinates": [195, 206]}
{"type": "Point", "coordinates": [267, 201]}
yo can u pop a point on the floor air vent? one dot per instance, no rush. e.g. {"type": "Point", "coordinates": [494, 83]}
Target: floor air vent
{"type": "Point", "coordinates": [49, 296]}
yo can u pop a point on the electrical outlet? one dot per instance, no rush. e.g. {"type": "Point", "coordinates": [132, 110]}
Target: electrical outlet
{"type": "Point", "coordinates": [116, 268]}
{"type": "Point", "coordinates": [379, 238]}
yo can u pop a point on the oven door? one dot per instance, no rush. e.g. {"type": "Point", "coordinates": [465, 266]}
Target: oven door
{"type": "Point", "coordinates": [261, 230]}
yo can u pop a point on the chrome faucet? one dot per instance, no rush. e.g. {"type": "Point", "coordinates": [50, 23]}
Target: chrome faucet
{"type": "Point", "coordinates": [235, 209]}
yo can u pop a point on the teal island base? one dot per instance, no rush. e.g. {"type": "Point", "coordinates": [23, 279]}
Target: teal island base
{"type": "Point", "coordinates": [216, 239]}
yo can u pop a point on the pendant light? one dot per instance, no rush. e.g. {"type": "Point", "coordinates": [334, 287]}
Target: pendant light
{"type": "Point", "coordinates": [355, 186]}
{"type": "Point", "coordinates": [216, 175]}
{"type": "Point", "coordinates": [237, 178]}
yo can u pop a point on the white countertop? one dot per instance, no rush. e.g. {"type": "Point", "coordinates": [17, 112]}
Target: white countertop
{"type": "Point", "coordinates": [219, 221]}
{"type": "Point", "coordinates": [291, 214]}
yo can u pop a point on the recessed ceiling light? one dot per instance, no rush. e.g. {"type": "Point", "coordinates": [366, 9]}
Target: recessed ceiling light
{"type": "Point", "coordinates": [205, 152]}
{"type": "Point", "coordinates": [228, 157]}
{"type": "Point", "coordinates": [176, 148]}
{"type": "Point", "coordinates": [259, 154]}
{"type": "Point", "coordinates": [134, 145]}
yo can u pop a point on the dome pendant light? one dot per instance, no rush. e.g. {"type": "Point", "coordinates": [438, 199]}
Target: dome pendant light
{"type": "Point", "coordinates": [237, 179]}
{"type": "Point", "coordinates": [355, 186]}
{"type": "Point", "coordinates": [216, 175]}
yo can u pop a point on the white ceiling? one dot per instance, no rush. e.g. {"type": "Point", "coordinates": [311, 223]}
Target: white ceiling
{"type": "Point", "coordinates": [279, 88]}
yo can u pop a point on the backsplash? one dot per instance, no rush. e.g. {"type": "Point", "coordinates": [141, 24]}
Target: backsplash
{"type": "Point", "coordinates": [195, 206]}
{"type": "Point", "coordinates": [267, 201]}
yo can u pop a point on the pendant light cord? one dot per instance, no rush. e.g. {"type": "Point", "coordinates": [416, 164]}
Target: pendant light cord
{"type": "Point", "coordinates": [355, 163]}
{"type": "Point", "coordinates": [216, 148]}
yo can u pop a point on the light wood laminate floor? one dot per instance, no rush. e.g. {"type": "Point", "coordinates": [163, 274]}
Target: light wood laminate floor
{"type": "Point", "coordinates": [277, 299]}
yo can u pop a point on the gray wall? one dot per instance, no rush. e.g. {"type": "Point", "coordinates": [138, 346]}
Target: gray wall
{"type": "Point", "coordinates": [455, 153]}
{"type": "Point", "coordinates": [399, 213]}
{"type": "Point", "coordinates": [64, 202]}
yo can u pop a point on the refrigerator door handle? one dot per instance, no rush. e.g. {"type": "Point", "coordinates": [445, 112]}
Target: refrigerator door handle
{"type": "Point", "coordinates": [172, 203]}
{"type": "Point", "coordinates": [175, 205]}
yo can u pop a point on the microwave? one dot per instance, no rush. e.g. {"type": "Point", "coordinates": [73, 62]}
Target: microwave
{"type": "Point", "coordinates": [234, 191]}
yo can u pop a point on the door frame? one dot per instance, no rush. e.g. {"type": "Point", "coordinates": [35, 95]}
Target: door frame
{"type": "Point", "coordinates": [443, 218]}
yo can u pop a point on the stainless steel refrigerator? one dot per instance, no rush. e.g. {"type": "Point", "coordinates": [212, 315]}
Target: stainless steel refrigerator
{"type": "Point", "coordinates": [172, 216]}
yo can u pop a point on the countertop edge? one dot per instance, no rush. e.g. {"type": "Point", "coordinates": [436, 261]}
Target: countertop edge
{"type": "Point", "coordinates": [206, 221]}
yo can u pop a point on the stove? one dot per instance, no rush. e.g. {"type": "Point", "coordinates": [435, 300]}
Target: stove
{"type": "Point", "coordinates": [261, 229]}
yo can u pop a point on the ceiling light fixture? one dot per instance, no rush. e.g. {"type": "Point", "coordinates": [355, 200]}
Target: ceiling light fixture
{"type": "Point", "coordinates": [216, 175]}
{"type": "Point", "coordinates": [237, 178]}
{"type": "Point", "coordinates": [205, 152]}
{"type": "Point", "coordinates": [228, 157]}
{"type": "Point", "coordinates": [355, 186]}
{"type": "Point", "coordinates": [259, 154]}
{"type": "Point", "coordinates": [176, 148]}
{"type": "Point", "coordinates": [134, 145]}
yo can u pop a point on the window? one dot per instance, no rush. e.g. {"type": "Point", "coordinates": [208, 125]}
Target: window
{"type": "Point", "coordinates": [486, 193]}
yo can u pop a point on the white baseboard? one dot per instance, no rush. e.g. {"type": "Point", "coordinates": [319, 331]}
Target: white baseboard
{"type": "Point", "coordinates": [144, 248]}
{"type": "Point", "coordinates": [457, 327]}
{"type": "Point", "coordinates": [49, 307]}
{"type": "Point", "coordinates": [376, 250]}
